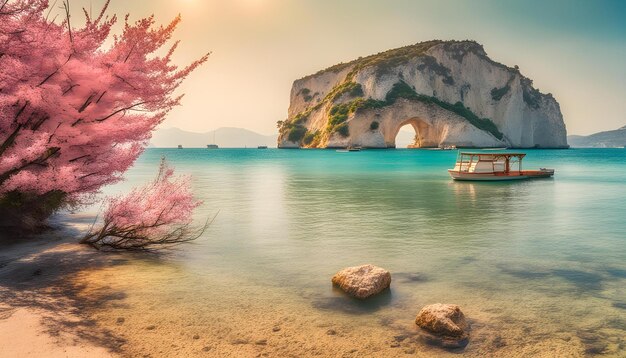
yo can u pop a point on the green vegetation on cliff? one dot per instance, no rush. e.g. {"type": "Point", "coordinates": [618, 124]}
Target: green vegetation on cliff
{"type": "Point", "coordinates": [353, 89]}
{"type": "Point", "coordinates": [294, 129]}
{"type": "Point", "coordinates": [403, 90]}
{"type": "Point", "coordinates": [498, 93]}
{"type": "Point", "coordinates": [531, 96]}
{"type": "Point", "coordinates": [311, 138]}
{"type": "Point", "coordinates": [384, 61]}
{"type": "Point", "coordinates": [306, 94]}
{"type": "Point", "coordinates": [343, 130]}
{"type": "Point", "coordinates": [340, 113]}
{"type": "Point", "coordinates": [296, 133]}
{"type": "Point", "coordinates": [350, 93]}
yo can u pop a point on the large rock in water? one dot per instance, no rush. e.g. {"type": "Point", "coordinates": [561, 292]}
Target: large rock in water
{"type": "Point", "coordinates": [445, 324]}
{"type": "Point", "coordinates": [450, 92]}
{"type": "Point", "coordinates": [362, 281]}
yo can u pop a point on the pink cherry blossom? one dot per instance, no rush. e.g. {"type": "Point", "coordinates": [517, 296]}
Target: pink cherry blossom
{"type": "Point", "coordinates": [74, 113]}
{"type": "Point", "coordinates": [156, 214]}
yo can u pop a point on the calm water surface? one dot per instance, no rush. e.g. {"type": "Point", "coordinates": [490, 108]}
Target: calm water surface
{"type": "Point", "coordinates": [537, 266]}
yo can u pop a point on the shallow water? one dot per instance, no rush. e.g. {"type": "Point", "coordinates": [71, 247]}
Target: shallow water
{"type": "Point", "coordinates": [538, 267]}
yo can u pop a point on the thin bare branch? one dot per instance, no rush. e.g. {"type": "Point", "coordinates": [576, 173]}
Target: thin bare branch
{"type": "Point", "coordinates": [120, 110]}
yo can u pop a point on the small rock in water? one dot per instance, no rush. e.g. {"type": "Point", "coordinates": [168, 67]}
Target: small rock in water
{"type": "Point", "coordinates": [445, 325]}
{"type": "Point", "coordinates": [261, 342]}
{"type": "Point", "coordinates": [206, 349]}
{"type": "Point", "coordinates": [151, 327]}
{"type": "Point", "coordinates": [276, 329]}
{"type": "Point", "coordinates": [331, 332]}
{"type": "Point", "coordinates": [120, 320]}
{"type": "Point", "coordinates": [362, 281]}
{"type": "Point", "coordinates": [195, 336]}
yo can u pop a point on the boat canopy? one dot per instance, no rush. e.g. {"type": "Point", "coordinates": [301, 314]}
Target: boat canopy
{"type": "Point", "coordinates": [482, 162]}
{"type": "Point", "coordinates": [493, 155]}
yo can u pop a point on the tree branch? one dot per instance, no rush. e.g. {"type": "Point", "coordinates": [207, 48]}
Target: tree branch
{"type": "Point", "coordinates": [124, 80]}
{"type": "Point", "coordinates": [55, 71]}
{"type": "Point", "coordinates": [39, 161]}
{"type": "Point", "coordinates": [120, 110]}
{"type": "Point", "coordinates": [11, 139]}
{"type": "Point", "coordinates": [99, 98]}
{"type": "Point", "coordinates": [66, 5]}
{"type": "Point", "coordinates": [87, 103]}
{"type": "Point", "coordinates": [78, 158]}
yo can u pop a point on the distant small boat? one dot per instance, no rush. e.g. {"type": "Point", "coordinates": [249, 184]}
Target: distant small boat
{"type": "Point", "coordinates": [262, 147]}
{"type": "Point", "coordinates": [448, 147]}
{"type": "Point", "coordinates": [349, 149]}
{"type": "Point", "coordinates": [212, 146]}
{"type": "Point", "coordinates": [494, 166]}
{"type": "Point", "coordinates": [180, 146]}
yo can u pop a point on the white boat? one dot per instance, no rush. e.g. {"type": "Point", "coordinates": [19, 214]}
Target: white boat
{"type": "Point", "coordinates": [349, 149]}
{"type": "Point", "coordinates": [494, 167]}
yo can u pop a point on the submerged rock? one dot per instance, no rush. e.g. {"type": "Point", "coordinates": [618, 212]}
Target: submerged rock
{"type": "Point", "coordinates": [444, 324]}
{"type": "Point", "coordinates": [362, 281]}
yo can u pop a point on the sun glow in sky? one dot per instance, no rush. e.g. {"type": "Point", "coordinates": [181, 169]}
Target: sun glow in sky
{"type": "Point", "coordinates": [573, 49]}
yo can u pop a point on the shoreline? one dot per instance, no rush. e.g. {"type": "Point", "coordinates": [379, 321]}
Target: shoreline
{"type": "Point", "coordinates": [40, 312]}
{"type": "Point", "coordinates": [66, 300]}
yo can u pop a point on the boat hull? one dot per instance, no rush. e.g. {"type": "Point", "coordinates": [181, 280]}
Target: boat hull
{"type": "Point", "coordinates": [528, 174]}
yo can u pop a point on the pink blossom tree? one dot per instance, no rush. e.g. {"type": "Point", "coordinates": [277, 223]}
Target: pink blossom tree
{"type": "Point", "coordinates": [74, 113]}
{"type": "Point", "coordinates": [155, 215]}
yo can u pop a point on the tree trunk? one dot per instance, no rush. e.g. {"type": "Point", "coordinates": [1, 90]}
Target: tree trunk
{"type": "Point", "coordinates": [25, 213]}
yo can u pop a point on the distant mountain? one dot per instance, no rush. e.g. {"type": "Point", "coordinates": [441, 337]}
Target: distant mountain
{"type": "Point", "coordinates": [224, 138]}
{"type": "Point", "coordinates": [608, 139]}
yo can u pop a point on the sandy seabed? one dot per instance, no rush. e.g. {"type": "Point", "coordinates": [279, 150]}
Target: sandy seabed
{"type": "Point", "coordinates": [59, 299]}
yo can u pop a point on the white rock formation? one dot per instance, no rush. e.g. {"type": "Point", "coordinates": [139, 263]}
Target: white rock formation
{"type": "Point", "coordinates": [440, 74]}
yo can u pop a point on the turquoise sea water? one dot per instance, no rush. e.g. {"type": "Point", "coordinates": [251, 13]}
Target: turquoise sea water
{"type": "Point", "coordinates": [537, 263]}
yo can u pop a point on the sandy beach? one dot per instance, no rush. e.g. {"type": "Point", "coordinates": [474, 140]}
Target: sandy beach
{"type": "Point", "coordinates": [40, 314]}
{"type": "Point", "coordinates": [27, 332]}
{"type": "Point", "coordinates": [60, 299]}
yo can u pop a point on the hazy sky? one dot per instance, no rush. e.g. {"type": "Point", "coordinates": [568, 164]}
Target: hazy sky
{"type": "Point", "coordinates": [574, 49]}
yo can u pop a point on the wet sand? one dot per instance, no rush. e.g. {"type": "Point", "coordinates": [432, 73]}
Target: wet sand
{"type": "Point", "coordinates": [67, 300]}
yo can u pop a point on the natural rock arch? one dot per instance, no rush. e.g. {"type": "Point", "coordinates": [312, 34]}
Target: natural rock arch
{"type": "Point", "coordinates": [455, 76]}
{"type": "Point", "coordinates": [423, 134]}
{"type": "Point", "coordinates": [434, 126]}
